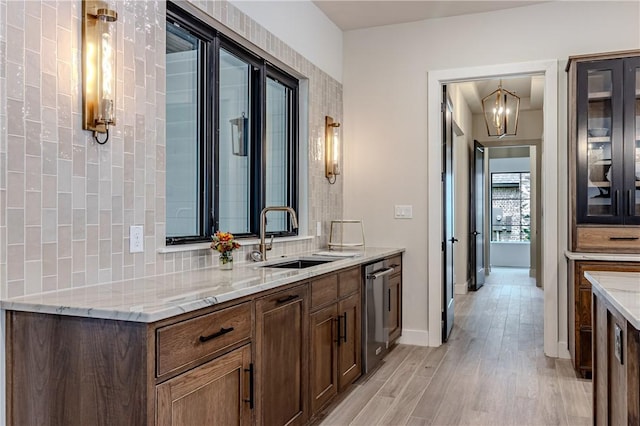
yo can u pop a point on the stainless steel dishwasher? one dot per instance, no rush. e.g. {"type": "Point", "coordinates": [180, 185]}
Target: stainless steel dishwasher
{"type": "Point", "coordinates": [375, 320]}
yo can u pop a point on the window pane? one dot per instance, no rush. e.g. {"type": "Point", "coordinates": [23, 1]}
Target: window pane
{"type": "Point", "coordinates": [277, 153]}
{"type": "Point", "coordinates": [183, 134]}
{"type": "Point", "coordinates": [510, 206]}
{"type": "Point", "coordinates": [234, 151]}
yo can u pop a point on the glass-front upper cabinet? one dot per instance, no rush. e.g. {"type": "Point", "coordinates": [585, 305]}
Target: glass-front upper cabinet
{"type": "Point", "coordinates": [608, 146]}
{"type": "Point", "coordinates": [632, 136]}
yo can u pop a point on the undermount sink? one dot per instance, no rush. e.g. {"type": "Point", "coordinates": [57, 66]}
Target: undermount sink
{"type": "Point", "coordinates": [298, 263]}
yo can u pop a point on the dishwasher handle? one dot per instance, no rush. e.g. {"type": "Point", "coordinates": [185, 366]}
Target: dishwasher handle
{"type": "Point", "coordinates": [380, 273]}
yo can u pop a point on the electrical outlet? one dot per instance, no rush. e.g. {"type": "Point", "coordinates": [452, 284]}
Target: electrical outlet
{"type": "Point", "coordinates": [318, 229]}
{"type": "Point", "coordinates": [136, 239]}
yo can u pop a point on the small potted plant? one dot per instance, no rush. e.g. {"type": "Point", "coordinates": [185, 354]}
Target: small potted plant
{"type": "Point", "coordinates": [224, 243]}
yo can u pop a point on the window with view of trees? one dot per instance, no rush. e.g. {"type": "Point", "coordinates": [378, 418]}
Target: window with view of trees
{"type": "Point", "coordinates": [232, 142]}
{"type": "Point", "coordinates": [511, 206]}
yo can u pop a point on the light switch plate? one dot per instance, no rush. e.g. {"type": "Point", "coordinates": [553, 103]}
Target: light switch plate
{"type": "Point", "coordinates": [403, 211]}
{"type": "Point", "coordinates": [136, 239]}
{"type": "Point", "coordinates": [318, 229]}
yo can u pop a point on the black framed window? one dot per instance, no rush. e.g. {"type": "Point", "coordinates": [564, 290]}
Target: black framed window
{"type": "Point", "coordinates": [232, 144]}
{"type": "Point", "coordinates": [511, 206]}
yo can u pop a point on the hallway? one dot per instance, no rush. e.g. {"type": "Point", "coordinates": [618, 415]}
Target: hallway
{"type": "Point", "coordinates": [491, 372]}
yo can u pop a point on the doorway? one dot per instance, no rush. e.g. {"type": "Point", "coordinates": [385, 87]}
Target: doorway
{"type": "Point", "coordinates": [548, 275]}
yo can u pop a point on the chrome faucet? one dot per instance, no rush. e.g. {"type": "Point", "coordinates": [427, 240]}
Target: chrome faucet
{"type": "Point", "coordinates": [264, 247]}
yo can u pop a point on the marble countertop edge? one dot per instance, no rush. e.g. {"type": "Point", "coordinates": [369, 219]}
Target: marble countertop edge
{"type": "Point", "coordinates": [621, 290]}
{"type": "Point", "coordinates": [159, 297]}
{"type": "Point", "coordinates": [612, 257]}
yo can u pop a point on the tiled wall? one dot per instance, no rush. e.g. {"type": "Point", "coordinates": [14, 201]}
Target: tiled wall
{"type": "Point", "coordinates": [66, 203]}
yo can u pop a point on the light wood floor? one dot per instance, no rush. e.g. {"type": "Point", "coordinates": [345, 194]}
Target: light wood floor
{"type": "Point", "coordinates": [491, 372]}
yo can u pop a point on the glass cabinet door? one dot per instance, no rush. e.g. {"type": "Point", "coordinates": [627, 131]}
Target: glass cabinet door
{"type": "Point", "coordinates": [632, 140]}
{"type": "Point", "coordinates": [600, 142]}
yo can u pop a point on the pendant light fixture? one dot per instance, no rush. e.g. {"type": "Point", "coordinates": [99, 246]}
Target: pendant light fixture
{"type": "Point", "coordinates": [500, 109]}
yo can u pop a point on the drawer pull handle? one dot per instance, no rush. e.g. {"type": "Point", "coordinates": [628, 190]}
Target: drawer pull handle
{"type": "Point", "coordinates": [251, 386]}
{"type": "Point", "coordinates": [287, 298]}
{"type": "Point", "coordinates": [394, 265]}
{"type": "Point", "coordinates": [222, 332]}
{"type": "Point", "coordinates": [344, 335]}
{"type": "Point", "coordinates": [624, 238]}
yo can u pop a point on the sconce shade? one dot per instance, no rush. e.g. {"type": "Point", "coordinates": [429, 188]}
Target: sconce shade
{"type": "Point", "coordinates": [99, 66]}
{"type": "Point", "coordinates": [501, 109]}
{"type": "Point", "coordinates": [332, 147]}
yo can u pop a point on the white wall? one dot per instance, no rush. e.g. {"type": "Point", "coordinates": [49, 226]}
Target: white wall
{"type": "Point", "coordinates": [385, 102]}
{"type": "Point", "coordinates": [310, 33]}
{"type": "Point", "coordinates": [510, 255]}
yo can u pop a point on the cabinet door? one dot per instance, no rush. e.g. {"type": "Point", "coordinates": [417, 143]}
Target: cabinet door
{"type": "Point", "coordinates": [282, 357]}
{"type": "Point", "coordinates": [395, 307]}
{"type": "Point", "coordinates": [632, 140]}
{"type": "Point", "coordinates": [324, 357]}
{"type": "Point", "coordinates": [349, 340]}
{"type": "Point", "coordinates": [216, 393]}
{"type": "Point", "coordinates": [600, 142]}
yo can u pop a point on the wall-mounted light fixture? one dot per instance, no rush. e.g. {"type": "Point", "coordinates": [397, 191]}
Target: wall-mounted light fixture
{"type": "Point", "coordinates": [501, 109]}
{"type": "Point", "coordinates": [332, 146]}
{"type": "Point", "coordinates": [99, 67]}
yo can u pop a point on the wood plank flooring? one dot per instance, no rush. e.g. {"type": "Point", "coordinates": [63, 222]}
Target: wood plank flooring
{"type": "Point", "coordinates": [492, 371]}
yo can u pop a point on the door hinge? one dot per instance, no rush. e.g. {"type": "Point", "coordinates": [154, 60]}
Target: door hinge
{"type": "Point", "coordinates": [442, 177]}
{"type": "Point", "coordinates": [443, 245]}
{"type": "Point", "coordinates": [443, 107]}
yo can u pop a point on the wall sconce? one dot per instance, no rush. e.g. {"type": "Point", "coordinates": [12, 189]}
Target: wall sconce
{"type": "Point", "coordinates": [501, 110]}
{"type": "Point", "coordinates": [332, 146]}
{"type": "Point", "coordinates": [99, 67]}
{"type": "Point", "coordinates": [239, 135]}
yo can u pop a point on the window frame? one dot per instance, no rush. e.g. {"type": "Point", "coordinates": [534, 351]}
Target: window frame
{"type": "Point", "coordinates": [213, 41]}
{"type": "Point", "coordinates": [520, 224]}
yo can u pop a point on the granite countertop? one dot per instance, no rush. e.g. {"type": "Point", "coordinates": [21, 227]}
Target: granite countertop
{"type": "Point", "coordinates": [163, 296]}
{"type": "Point", "coordinates": [621, 289]}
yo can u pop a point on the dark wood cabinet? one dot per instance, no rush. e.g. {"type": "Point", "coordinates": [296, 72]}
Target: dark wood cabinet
{"type": "Point", "coordinates": [616, 380]}
{"type": "Point", "coordinates": [215, 393]}
{"type": "Point", "coordinates": [324, 358]}
{"type": "Point", "coordinates": [395, 299]}
{"type": "Point", "coordinates": [64, 370]}
{"type": "Point", "coordinates": [604, 122]}
{"type": "Point", "coordinates": [336, 339]}
{"type": "Point", "coordinates": [581, 324]}
{"type": "Point", "coordinates": [350, 340]}
{"type": "Point", "coordinates": [273, 358]}
{"type": "Point", "coordinates": [282, 350]}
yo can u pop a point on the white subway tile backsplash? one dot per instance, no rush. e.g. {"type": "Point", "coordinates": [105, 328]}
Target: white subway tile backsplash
{"type": "Point", "coordinates": [65, 240]}
{"type": "Point", "coordinates": [32, 207]}
{"type": "Point", "coordinates": [66, 203]}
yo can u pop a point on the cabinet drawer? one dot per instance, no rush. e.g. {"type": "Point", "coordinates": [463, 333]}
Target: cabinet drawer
{"type": "Point", "coordinates": [608, 239]}
{"type": "Point", "coordinates": [324, 290]}
{"type": "Point", "coordinates": [190, 341]}
{"type": "Point", "coordinates": [396, 263]}
{"type": "Point", "coordinates": [349, 282]}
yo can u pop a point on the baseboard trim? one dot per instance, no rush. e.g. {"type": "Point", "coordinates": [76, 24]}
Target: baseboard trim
{"type": "Point", "coordinates": [563, 350]}
{"type": "Point", "coordinates": [414, 337]}
{"type": "Point", "coordinates": [461, 288]}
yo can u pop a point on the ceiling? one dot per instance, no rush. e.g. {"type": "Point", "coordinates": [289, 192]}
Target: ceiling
{"type": "Point", "coordinates": [356, 14]}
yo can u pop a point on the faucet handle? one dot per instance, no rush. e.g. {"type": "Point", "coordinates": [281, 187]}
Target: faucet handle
{"type": "Point", "coordinates": [270, 245]}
